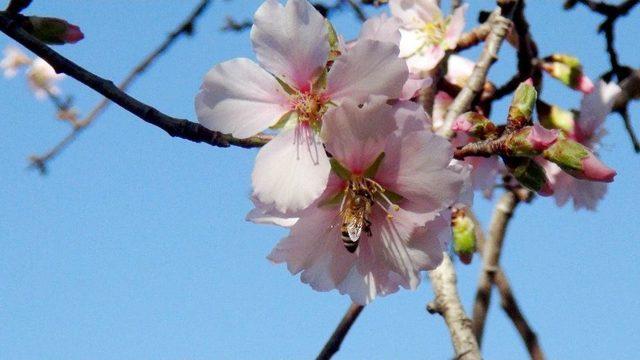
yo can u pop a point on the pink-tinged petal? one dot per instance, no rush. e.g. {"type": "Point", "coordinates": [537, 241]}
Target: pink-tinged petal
{"type": "Point", "coordinates": [459, 69]}
{"type": "Point", "coordinates": [415, 13]}
{"type": "Point", "coordinates": [455, 27]}
{"type": "Point", "coordinates": [381, 28]}
{"type": "Point", "coordinates": [426, 60]}
{"type": "Point", "coordinates": [584, 84]}
{"type": "Point", "coordinates": [595, 170]}
{"type": "Point", "coordinates": [541, 138]}
{"type": "Point", "coordinates": [413, 85]}
{"type": "Point", "coordinates": [420, 179]}
{"type": "Point", "coordinates": [584, 193]}
{"type": "Point", "coordinates": [440, 105]}
{"type": "Point", "coordinates": [267, 214]}
{"type": "Point", "coordinates": [291, 171]}
{"type": "Point", "coordinates": [291, 42]}
{"type": "Point", "coordinates": [314, 247]}
{"type": "Point", "coordinates": [595, 107]}
{"type": "Point", "coordinates": [462, 124]}
{"type": "Point", "coordinates": [411, 41]}
{"type": "Point", "coordinates": [485, 173]}
{"type": "Point", "coordinates": [238, 97]}
{"type": "Point", "coordinates": [465, 170]}
{"type": "Point", "coordinates": [369, 68]}
{"type": "Point", "coordinates": [410, 116]}
{"type": "Point", "coordinates": [73, 34]}
{"type": "Point", "coordinates": [355, 135]}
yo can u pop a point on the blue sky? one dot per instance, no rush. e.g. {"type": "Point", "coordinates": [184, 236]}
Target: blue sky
{"type": "Point", "coordinates": [134, 246]}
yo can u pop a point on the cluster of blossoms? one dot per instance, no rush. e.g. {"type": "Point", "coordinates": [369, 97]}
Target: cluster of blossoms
{"type": "Point", "coordinates": [365, 187]}
{"type": "Point", "coordinates": [355, 171]}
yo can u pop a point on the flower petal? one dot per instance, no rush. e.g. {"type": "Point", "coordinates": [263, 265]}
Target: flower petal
{"type": "Point", "coordinates": [291, 42]}
{"type": "Point", "coordinates": [455, 27]}
{"type": "Point", "coordinates": [420, 179]}
{"type": "Point", "coordinates": [415, 13]}
{"type": "Point", "coordinates": [369, 68]}
{"type": "Point", "coordinates": [291, 171]}
{"type": "Point", "coordinates": [238, 97]}
{"type": "Point", "coordinates": [426, 59]}
{"type": "Point", "coordinates": [381, 28]}
{"type": "Point", "coordinates": [595, 107]}
{"type": "Point", "coordinates": [355, 135]}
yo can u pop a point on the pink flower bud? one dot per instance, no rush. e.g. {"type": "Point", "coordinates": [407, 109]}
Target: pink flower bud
{"type": "Point", "coordinates": [462, 124]}
{"type": "Point", "coordinates": [73, 34]}
{"type": "Point", "coordinates": [546, 189]}
{"type": "Point", "coordinates": [596, 170]}
{"type": "Point", "coordinates": [541, 138]}
{"type": "Point", "coordinates": [584, 84]}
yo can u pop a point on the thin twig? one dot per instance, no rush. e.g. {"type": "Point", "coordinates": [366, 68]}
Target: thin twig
{"type": "Point", "coordinates": [447, 303]}
{"type": "Point", "coordinates": [181, 128]}
{"type": "Point", "coordinates": [474, 36]}
{"type": "Point", "coordinates": [511, 308]}
{"type": "Point", "coordinates": [632, 134]}
{"type": "Point", "coordinates": [490, 257]}
{"type": "Point", "coordinates": [475, 84]}
{"type": "Point", "coordinates": [185, 28]}
{"type": "Point", "coordinates": [357, 10]}
{"type": "Point", "coordinates": [333, 344]}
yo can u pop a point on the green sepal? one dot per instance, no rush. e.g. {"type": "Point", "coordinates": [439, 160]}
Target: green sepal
{"type": "Point", "coordinates": [567, 154]}
{"type": "Point", "coordinates": [340, 170]}
{"type": "Point", "coordinates": [284, 120]}
{"type": "Point", "coordinates": [522, 104]}
{"type": "Point", "coordinates": [373, 169]}
{"type": "Point", "coordinates": [321, 81]}
{"type": "Point", "coordinates": [286, 87]}
{"type": "Point", "coordinates": [334, 200]}
{"type": "Point", "coordinates": [464, 235]}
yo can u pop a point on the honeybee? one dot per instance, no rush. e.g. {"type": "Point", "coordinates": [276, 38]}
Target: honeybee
{"type": "Point", "coordinates": [355, 213]}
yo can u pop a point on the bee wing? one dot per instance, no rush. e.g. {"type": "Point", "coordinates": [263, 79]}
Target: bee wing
{"type": "Point", "coordinates": [355, 225]}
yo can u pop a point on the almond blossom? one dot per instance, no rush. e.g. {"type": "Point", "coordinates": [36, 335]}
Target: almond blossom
{"type": "Point", "coordinates": [587, 130]}
{"type": "Point", "coordinates": [290, 89]}
{"type": "Point", "coordinates": [42, 79]}
{"type": "Point", "coordinates": [425, 34]}
{"type": "Point", "coordinates": [383, 154]}
{"type": "Point", "coordinates": [12, 61]}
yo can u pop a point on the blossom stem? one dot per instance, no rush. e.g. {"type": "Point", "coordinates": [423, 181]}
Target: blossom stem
{"type": "Point", "coordinates": [335, 341]}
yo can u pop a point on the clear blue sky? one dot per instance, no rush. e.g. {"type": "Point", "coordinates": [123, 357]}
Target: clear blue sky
{"type": "Point", "coordinates": [134, 246]}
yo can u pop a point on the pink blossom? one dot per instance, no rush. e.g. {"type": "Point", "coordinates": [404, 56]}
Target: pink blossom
{"type": "Point", "coordinates": [459, 70]}
{"type": "Point", "coordinates": [588, 130]}
{"type": "Point", "coordinates": [540, 138]}
{"type": "Point", "coordinates": [12, 61]}
{"type": "Point", "coordinates": [42, 79]}
{"type": "Point", "coordinates": [407, 224]}
{"type": "Point", "coordinates": [425, 33]}
{"type": "Point", "coordinates": [584, 84]}
{"type": "Point", "coordinates": [290, 90]}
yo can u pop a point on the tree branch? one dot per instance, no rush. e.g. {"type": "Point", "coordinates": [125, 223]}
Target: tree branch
{"type": "Point", "coordinates": [491, 251]}
{"type": "Point", "coordinates": [511, 308]}
{"type": "Point", "coordinates": [475, 84]}
{"type": "Point", "coordinates": [447, 303]}
{"type": "Point", "coordinates": [185, 28]}
{"type": "Point", "coordinates": [333, 344]}
{"type": "Point", "coordinates": [175, 127]}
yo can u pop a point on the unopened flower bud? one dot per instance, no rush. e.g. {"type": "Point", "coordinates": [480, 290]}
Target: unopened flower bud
{"type": "Point", "coordinates": [474, 124]}
{"type": "Point", "coordinates": [554, 117]}
{"type": "Point", "coordinates": [530, 141]}
{"type": "Point", "coordinates": [530, 175]}
{"type": "Point", "coordinates": [464, 236]}
{"type": "Point", "coordinates": [53, 30]}
{"type": "Point", "coordinates": [568, 70]}
{"type": "Point", "coordinates": [578, 161]}
{"type": "Point", "coordinates": [522, 104]}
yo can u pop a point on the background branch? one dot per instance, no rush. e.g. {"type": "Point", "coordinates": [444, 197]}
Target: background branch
{"type": "Point", "coordinates": [185, 28]}
{"type": "Point", "coordinates": [175, 127]}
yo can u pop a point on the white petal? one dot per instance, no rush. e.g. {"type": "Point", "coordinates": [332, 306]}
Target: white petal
{"type": "Point", "coordinates": [291, 171]}
{"type": "Point", "coordinates": [238, 97]}
{"type": "Point", "coordinates": [292, 42]}
{"type": "Point", "coordinates": [369, 68]}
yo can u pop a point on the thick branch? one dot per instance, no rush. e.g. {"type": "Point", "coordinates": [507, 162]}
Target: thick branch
{"type": "Point", "coordinates": [173, 126]}
{"type": "Point", "coordinates": [447, 303]}
{"type": "Point", "coordinates": [511, 308]}
{"type": "Point", "coordinates": [491, 255]}
{"type": "Point", "coordinates": [185, 28]}
{"type": "Point", "coordinates": [475, 84]}
{"type": "Point", "coordinates": [333, 344]}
